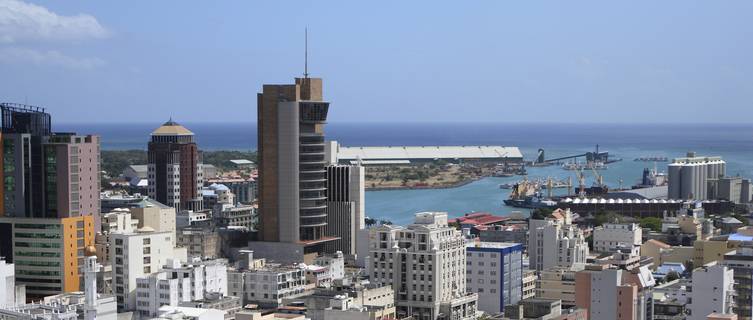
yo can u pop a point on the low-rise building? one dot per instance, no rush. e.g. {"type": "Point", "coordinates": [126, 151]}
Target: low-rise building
{"type": "Point", "coordinates": [609, 293]}
{"type": "Point", "coordinates": [516, 233]}
{"type": "Point", "coordinates": [611, 236]}
{"type": "Point", "coordinates": [265, 284]}
{"type": "Point", "coordinates": [200, 242]}
{"type": "Point", "coordinates": [543, 309]}
{"type": "Point", "coordinates": [214, 300]}
{"type": "Point", "coordinates": [529, 284]}
{"type": "Point", "coordinates": [557, 283]}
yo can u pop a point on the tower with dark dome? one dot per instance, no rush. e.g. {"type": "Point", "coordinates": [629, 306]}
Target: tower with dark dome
{"type": "Point", "coordinates": [174, 170]}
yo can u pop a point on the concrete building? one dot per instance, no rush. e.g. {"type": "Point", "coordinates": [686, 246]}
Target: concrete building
{"type": "Point", "coordinates": [175, 169]}
{"type": "Point", "coordinates": [735, 189]}
{"type": "Point", "coordinates": [212, 300]}
{"type": "Point", "coordinates": [239, 215]}
{"type": "Point", "coordinates": [346, 297]}
{"type": "Point", "coordinates": [244, 189]}
{"type": "Point", "coordinates": [256, 281]}
{"type": "Point", "coordinates": [47, 252]}
{"type": "Point", "coordinates": [153, 214]}
{"type": "Point", "coordinates": [202, 243]}
{"type": "Point", "coordinates": [186, 313]}
{"type": "Point", "coordinates": [741, 263]}
{"type": "Point", "coordinates": [612, 236]}
{"type": "Point", "coordinates": [506, 233]}
{"type": "Point", "coordinates": [7, 283]}
{"type": "Point", "coordinates": [425, 263]}
{"type": "Point", "coordinates": [609, 293]}
{"type": "Point", "coordinates": [689, 176]}
{"type": "Point", "coordinates": [529, 284]}
{"type": "Point", "coordinates": [46, 174]}
{"type": "Point", "coordinates": [137, 253]}
{"type": "Point", "coordinates": [557, 283]}
{"type": "Point", "coordinates": [707, 251]}
{"type": "Point", "coordinates": [345, 207]}
{"type": "Point", "coordinates": [177, 283]}
{"type": "Point", "coordinates": [292, 174]}
{"type": "Point", "coordinates": [556, 242]}
{"type": "Point", "coordinates": [543, 309]}
{"type": "Point", "coordinates": [494, 270]}
{"type": "Point", "coordinates": [713, 291]}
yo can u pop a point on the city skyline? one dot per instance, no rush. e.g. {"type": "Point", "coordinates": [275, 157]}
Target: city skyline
{"type": "Point", "coordinates": [645, 62]}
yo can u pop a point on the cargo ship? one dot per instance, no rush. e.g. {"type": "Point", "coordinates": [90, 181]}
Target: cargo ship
{"type": "Point", "coordinates": [525, 195]}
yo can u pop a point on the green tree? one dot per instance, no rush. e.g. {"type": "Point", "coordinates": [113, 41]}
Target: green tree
{"type": "Point", "coordinates": [652, 223]}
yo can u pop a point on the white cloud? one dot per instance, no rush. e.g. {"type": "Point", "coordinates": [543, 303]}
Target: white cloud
{"type": "Point", "coordinates": [21, 21]}
{"type": "Point", "coordinates": [47, 58]}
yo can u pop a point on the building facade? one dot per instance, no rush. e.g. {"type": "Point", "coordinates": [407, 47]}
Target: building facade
{"type": "Point", "coordinates": [556, 243]}
{"type": "Point", "coordinates": [46, 174]}
{"type": "Point", "coordinates": [174, 170]}
{"type": "Point", "coordinates": [425, 263]}
{"type": "Point", "coordinates": [292, 173]}
{"type": "Point", "coordinates": [494, 270]}
{"type": "Point", "coordinates": [713, 291]}
{"type": "Point", "coordinates": [612, 236]}
{"type": "Point", "coordinates": [689, 176]}
{"type": "Point", "coordinates": [609, 293]}
{"type": "Point", "coordinates": [741, 263]}
{"type": "Point", "coordinates": [345, 207]}
{"type": "Point", "coordinates": [177, 283]}
{"type": "Point", "coordinates": [48, 253]}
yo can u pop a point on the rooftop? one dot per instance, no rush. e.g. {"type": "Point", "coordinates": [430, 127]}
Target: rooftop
{"type": "Point", "coordinates": [171, 128]}
{"type": "Point", "coordinates": [428, 152]}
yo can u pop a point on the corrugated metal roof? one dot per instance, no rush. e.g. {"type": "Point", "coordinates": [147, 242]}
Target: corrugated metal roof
{"type": "Point", "coordinates": [428, 152]}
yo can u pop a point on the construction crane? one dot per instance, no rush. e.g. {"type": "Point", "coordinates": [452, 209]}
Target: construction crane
{"type": "Point", "coordinates": [581, 182]}
{"type": "Point", "coordinates": [599, 178]}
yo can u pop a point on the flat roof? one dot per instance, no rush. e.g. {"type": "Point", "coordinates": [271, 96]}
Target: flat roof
{"type": "Point", "coordinates": [428, 152]}
{"type": "Point", "coordinates": [241, 161]}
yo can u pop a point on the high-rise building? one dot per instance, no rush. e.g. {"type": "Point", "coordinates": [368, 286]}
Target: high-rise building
{"type": "Point", "coordinates": [689, 177]}
{"type": "Point", "coordinates": [292, 173]}
{"type": "Point", "coordinates": [46, 174]}
{"type": "Point", "coordinates": [426, 265]}
{"type": "Point", "coordinates": [48, 253]}
{"type": "Point", "coordinates": [556, 242]}
{"type": "Point", "coordinates": [175, 170]}
{"type": "Point", "coordinates": [345, 207]}
{"type": "Point", "coordinates": [494, 270]}
{"type": "Point", "coordinates": [7, 283]}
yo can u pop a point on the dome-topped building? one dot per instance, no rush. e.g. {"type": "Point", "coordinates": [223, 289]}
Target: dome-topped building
{"type": "Point", "coordinates": [175, 171]}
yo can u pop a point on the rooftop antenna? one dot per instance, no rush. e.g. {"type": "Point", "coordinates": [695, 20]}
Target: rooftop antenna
{"type": "Point", "coordinates": [306, 54]}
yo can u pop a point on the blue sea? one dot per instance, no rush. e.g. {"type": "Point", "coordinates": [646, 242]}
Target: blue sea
{"type": "Point", "coordinates": [627, 141]}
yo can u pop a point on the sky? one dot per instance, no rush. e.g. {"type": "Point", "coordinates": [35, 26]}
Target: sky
{"type": "Point", "coordinates": [383, 61]}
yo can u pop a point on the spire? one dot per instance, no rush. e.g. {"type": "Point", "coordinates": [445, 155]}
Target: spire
{"type": "Point", "coordinates": [306, 53]}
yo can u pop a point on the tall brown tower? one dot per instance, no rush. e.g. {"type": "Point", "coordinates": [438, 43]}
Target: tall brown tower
{"type": "Point", "coordinates": [175, 170]}
{"type": "Point", "coordinates": [292, 173]}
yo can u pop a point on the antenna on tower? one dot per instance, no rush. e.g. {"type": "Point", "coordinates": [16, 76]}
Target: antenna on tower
{"type": "Point", "coordinates": [306, 54]}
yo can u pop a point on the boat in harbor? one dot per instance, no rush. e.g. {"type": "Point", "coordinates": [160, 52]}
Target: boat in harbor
{"type": "Point", "coordinates": [594, 165]}
{"type": "Point", "coordinates": [652, 159]}
{"type": "Point", "coordinates": [525, 195]}
{"type": "Point", "coordinates": [506, 186]}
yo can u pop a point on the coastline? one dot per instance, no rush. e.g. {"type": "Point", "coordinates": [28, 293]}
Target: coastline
{"type": "Point", "coordinates": [450, 186]}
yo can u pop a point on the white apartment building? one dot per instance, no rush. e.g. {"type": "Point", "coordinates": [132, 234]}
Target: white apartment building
{"type": "Point", "coordinates": [494, 270]}
{"type": "Point", "coordinates": [7, 283]}
{"type": "Point", "coordinates": [556, 242]}
{"type": "Point", "coordinates": [741, 262]}
{"type": "Point", "coordinates": [265, 284]}
{"type": "Point", "coordinates": [425, 264]}
{"type": "Point", "coordinates": [177, 283]}
{"type": "Point", "coordinates": [713, 291]}
{"type": "Point", "coordinates": [611, 236]}
{"type": "Point", "coordinates": [134, 254]}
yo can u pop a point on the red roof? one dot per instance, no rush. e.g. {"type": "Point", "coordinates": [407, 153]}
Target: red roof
{"type": "Point", "coordinates": [483, 218]}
